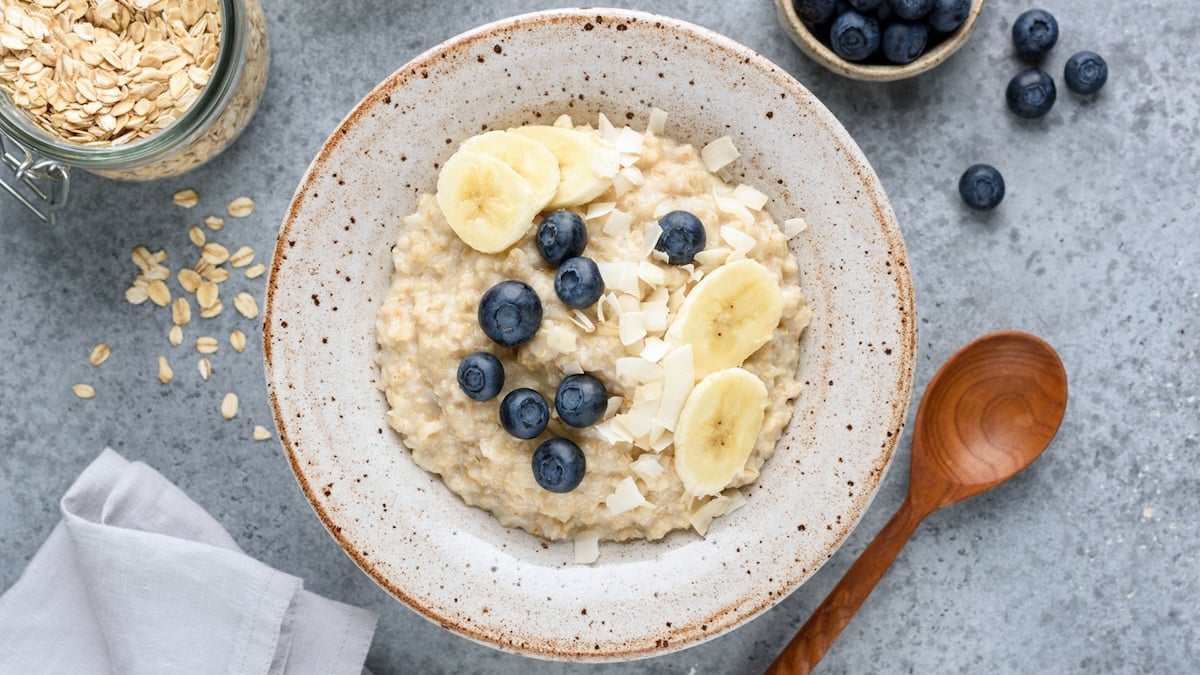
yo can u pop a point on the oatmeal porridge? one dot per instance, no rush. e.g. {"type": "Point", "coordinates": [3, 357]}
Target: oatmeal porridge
{"type": "Point", "coordinates": [583, 327]}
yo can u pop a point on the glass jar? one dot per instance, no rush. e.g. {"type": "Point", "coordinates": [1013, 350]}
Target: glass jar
{"type": "Point", "coordinates": [40, 162]}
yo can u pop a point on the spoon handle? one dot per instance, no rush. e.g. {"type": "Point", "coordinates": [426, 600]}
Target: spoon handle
{"type": "Point", "coordinates": [826, 623]}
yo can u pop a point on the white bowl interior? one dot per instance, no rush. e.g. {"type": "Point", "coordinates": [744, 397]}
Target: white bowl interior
{"type": "Point", "coordinates": [454, 564]}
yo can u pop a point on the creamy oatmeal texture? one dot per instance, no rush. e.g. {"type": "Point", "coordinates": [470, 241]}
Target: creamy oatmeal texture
{"type": "Point", "coordinates": [428, 323]}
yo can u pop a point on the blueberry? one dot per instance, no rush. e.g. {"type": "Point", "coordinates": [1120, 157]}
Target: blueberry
{"type": "Point", "coordinates": [947, 15]}
{"type": "Point", "coordinates": [981, 187]}
{"type": "Point", "coordinates": [1034, 33]}
{"type": "Point", "coordinates": [580, 400]}
{"type": "Point", "coordinates": [481, 376]}
{"type": "Point", "coordinates": [865, 6]}
{"type": "Point", "coordinates": [853, 36]}
{"type": "Point", "coordinates": [510, 313]}
{"type": "Point", "coordinates": [682, 235]}
{"type": "Point", "coordinates": [561, 235]}
{"type": "Point", "coordinates": [1086, 73]}
{"type": "Point", "coordinates": [815, 11]}
{"type": "Point", "coordinates": [524, 413]}
{"type": "Point", "coordinates": [1031, 93]}
{"type": "Point", "coordinates": [910, 10]}
{"type": "Point", "coordinates": [578, 283]}
{"type": "Point", "coordinates": [558, 465]}
{"type": "Point", "coordinates": [904, 41]}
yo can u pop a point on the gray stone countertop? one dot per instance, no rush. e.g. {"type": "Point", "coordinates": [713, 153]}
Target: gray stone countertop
{"type": "Point", "coordinates": [1086, 563]}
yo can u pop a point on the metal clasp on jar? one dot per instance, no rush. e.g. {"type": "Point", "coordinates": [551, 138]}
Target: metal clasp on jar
{"type": "Point", "coordinates": [42, 185]}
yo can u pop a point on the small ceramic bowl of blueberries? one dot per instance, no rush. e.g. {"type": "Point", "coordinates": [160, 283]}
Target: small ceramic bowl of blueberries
{"type": "Point", "coordinates": [879, 40]}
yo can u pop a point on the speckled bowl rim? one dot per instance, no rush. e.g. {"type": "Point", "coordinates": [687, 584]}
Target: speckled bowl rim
{"type": "Point", "coordinates": [817, 51]}
{"type": "Point", "coordinates": [891, 387]}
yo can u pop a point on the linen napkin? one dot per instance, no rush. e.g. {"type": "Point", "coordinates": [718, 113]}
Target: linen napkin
{"type": "Point", "coordinates": [138, 578]}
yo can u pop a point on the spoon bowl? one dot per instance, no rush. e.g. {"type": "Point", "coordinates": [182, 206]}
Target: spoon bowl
{"type": "Point", "coordinates": [989, 412]}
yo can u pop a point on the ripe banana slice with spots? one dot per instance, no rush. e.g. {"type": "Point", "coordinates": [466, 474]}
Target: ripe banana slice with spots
{"type": "Point", "coordinates": [717, 429]}
{"type": "Point", "coordinates": [587, 162]}
{"type": "Point", "coordinates": [728, 315]}
{"type": "Point", "coordinates": [536, 164]}
{"type": "Point", "coordinates": [485, 201]}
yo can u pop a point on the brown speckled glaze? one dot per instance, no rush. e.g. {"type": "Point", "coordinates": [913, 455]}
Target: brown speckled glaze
{"type": "Point", "coordinates": [454, 564]}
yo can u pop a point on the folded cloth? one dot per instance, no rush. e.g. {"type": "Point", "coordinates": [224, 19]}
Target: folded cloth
{"type": "Point", "coordinates": [138, 578]}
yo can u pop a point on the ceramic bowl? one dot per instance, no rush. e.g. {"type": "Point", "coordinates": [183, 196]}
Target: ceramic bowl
{"type": "Point", "coordinates": [821, 53]}
{"type": "Point", "coordinates": [455, 564]}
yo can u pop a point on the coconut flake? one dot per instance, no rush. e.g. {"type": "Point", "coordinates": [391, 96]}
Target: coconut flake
{"type": "Point", "coordinates": [741, 242]}
{"type": "Point", "coordinates": [750, 197]}
{"type": "Point", "coordinates": [711, 257]}
{"type": "Point", "coordinates": [632, 327]}
{"type": "Point", "coordinates": [587, 547]}
{"type": "Point", "coordinates": [794, 226]}
{"type": "Point", "coordinates": [614, 404]}
{"type": "Point", "coordinates": [658, 121]}
{"type": "Point", "coordinates": [612, 432]}
{"type": "Point", "coordinates": [607, 130]}
{"type": "Point", "coordinates": [655, 349]}
{"type": "Point", "coordinates": [651, 274]}
{"type": "Point", "coordinates": [661, 439]}
{"type": "Point", "coordinates": [733, 207]}
{"type": "Point", "coordinates": [639, 419]}
{"type": "Point", "coordinates": [702, 517]}
{"type": "Point", "coordinates": [679, 375]}
{"type": "Point", "coordinates": [719, 153]}
{"type": "Point", "coordinates": [634, 175]}
{"type": "Point", "coordinates": [599, 210]}
{"type": "Point", "coordinates": [656, 316]}
{"type": "Point", "coordinates": [625, 497]}
{"type": "Point", "coordinates": [629, 142]}
{"type": "Point", "coordinates": [580, 319]}
{"type": "Point", "coordinates": [653, 232]}
{"type": "Point", "coordinates": [618, 223]}
{"type": "Point", "coordinates": [660, 256]}
{"type": "Point", "coordinates": [647, 467]}
{"type": "Point", "coordinates": [638, 370]}
{"type": "Point", "coordinates": [572, 368]}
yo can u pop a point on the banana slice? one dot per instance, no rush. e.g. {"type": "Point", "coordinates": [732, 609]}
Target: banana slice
{"type": "Point", "coordinates": [536, 164]}
{"type": "Point", "coordinates": [728, 316]}
{"type": "Point", "coordinates": [717, 429]}
{"type": "Point", "coordinates": [487, 204]}
{"type": "Point", "coordinates": [586, 162]}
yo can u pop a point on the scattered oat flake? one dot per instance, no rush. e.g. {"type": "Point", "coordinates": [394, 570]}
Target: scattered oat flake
{"type": "Point", "coordinates": [205, 367]}
{"type": "Point", "coordinates": [159, 293]}
{"type": "Point", "coordinates": [100, 354]}
{"type": "Point", "coordinates": [261, 434]}
{"type": "Point", "coordinates": [164, 370]}
{"type": "Point", "coordinates": [255, 271]}
{"type": "Point", "coordinates": [136, 295]}
{"type": "Point", "coordinates": [181, 311]}
{"type": "Point", "coordinates": [214, 223]}
{"type": "Point", "coordinates": [237, 340]}
{"type": "Point", "coordinates": [242, 257]}
{"type": "Point", "coordinates": [143, 258]}
{"type": "Point", "coordinates": [241, 207]}
{"type": "Point", "coordinates": [214, 253]}
{"type": "Point", "coordinates": [217, 275]}
{"type": "Point", "coordinates": [229, 406]}
{"type": "Point", "coordinates": [84, 391]}
{"type": "Point", "coordinates": [206, 294]}
{"type": "Point", "coordinates": [212, 310]}
{"type": "Point", "coordinates": [207, 345]}
{"type": "Point", "coordinates": [175, 336]}
{"type": "Point", "coordinates": [186, 198]}
{"type": "Point", "coordinates": [189, 280]}
{"type": "Point", "coordinates": [196, 235]}
{"type": "Point", "coordinates": [245, 303]}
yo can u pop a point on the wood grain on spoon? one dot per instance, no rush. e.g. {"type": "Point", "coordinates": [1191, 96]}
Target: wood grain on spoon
{"type": "Point", "coordinates": [988, 413]}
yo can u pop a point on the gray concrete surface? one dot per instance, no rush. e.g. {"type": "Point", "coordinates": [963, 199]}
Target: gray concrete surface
{"type": "Point", "coordinates": [1087, 563]}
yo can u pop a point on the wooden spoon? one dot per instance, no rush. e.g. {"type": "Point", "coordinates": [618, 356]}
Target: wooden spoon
{"type": "Point", "coordinates": [988, 412]}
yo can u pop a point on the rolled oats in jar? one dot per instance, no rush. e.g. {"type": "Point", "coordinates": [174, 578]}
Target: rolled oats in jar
{"type": "Point", "coordinates": [126, 89]}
